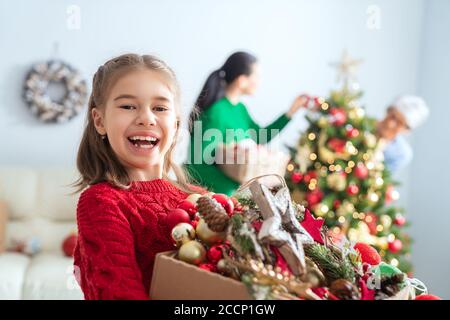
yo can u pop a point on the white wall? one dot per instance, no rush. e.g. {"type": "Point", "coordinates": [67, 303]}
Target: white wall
{"type": "Point", "coordinates": [295, 41]}
{"type": "Point", "coordinates": [429, 181]}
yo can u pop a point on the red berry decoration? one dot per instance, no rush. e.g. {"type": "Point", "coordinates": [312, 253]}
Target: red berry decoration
{"type": "Point", "coordinates": [352, 190]}
{"type": "Point", "coordinates": [68, 245]}
{"type": "Point", "coordinates": [225, 201]}
{"type": "Point", "coordinates": [339, 116]}
{"type": "Point", "coordinates": [368, 253]}
{"type": "Point", "coordinates": [427, 297]}
{"type": "Point", "coordinates": [188, 206]}
{"type": "Point", "coordinates": [361, 171]}
{"type": "Point", "coordinates": [177, 216]}
{"type": "Point", "coordinates": [296, 177]}
{"type": "Point", "coordinates": [336, 204]}
{"type": "Point", "coordinates": [400, 220]}
{"type": "Point", "coordinates": [214, 254]}
{"type": "Point", "coordinates": [395, 246]}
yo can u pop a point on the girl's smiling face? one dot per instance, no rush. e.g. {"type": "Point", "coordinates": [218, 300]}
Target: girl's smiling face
{"type": "Point", "coordinates": [140, 121]}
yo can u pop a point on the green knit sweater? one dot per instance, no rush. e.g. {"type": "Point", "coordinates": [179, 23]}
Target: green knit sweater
{"type": "Point", "coordinates": [223, 115]}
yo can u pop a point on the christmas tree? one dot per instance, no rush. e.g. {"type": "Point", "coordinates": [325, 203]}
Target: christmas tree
{"type": "Point", "coordinates": [337, 171]}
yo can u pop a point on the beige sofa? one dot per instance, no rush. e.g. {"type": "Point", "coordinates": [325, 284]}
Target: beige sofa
{"type": "Point", "coordinates": [36, 203]}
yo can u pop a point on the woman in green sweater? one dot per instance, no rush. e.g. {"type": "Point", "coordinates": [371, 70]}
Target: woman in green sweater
{"type": "Point", "coordinates": [219, 112]}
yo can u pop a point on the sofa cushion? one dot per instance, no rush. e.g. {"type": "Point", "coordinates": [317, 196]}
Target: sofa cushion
{"type": "Point", "coordinates": [18, 188]}
{"type": "Point", "coordinates": [54, 200]}
{"type": "Point", "coordinates": [51, 276]}
{"type": "Point", "coordinates": [13, 267]}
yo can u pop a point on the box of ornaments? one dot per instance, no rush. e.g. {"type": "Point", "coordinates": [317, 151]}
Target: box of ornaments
{"type": "Point", "coordinates": [259, 244]}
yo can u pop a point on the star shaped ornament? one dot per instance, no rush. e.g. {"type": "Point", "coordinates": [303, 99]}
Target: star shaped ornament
{"type": "Point", "coordinates": [313, 226]}
{"type": "Point", "coordinates": [347, 69]}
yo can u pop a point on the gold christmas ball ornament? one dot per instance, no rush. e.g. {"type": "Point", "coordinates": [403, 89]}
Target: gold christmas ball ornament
{"type": "Point", "coordinates": [321, 210]}
{"type": "Point", "coordinates": [386, 221]}
{"type": "Point", "coordinates": [182, 233]}
{"type": "Point", "coordinates": [370, 140]}
{"type": "Point", "coordinates": [356, 114]}
{"type": "Point", "coordinates": [208, 236]}
{"type": "Point", "coordinates": [192, 252]}
{"type": "Point", "coordinates": [322, 122]}
{"type": "Point", "coordinates": [337, 181]}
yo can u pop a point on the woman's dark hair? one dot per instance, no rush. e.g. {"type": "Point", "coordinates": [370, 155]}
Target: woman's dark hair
{"type": "Point", "coordinates": [239, 63]}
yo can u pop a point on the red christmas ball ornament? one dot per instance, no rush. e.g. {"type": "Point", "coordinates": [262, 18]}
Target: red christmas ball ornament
{"type": "Point", "coordinates": [188, 206]}
{"type": "Point", "coordinates": [395, 246]}
{"type": "Point", "coordinates": [389, 194]}
{"type": "Point", "coordinates": [339, 117]}
{"type": "Point", "coordinates": [194, 223]}
{"type": "Point", "coordinates": [427, 297]}
{"type": "Point", "coordinates": [69, 243]}
{"type": "Point", "coordinates": [309, 175]}
{"type": "Point", "coordinates": [400, 220]}
{"type": "Point", "coordinates": [371, 220]}
{"type": "Point", "coordinates": [352, 133]}
{"type": "Point", "coordinates": [314, 197]}
{"type": "Point", "coordinates": [368, 253]}
{"type": "Point", "coordinates": [336, 204]}
{"type": "Point", "coordinates": [336, 144]}
{"type": "Point", "coordinates": [361, 171]}
{"type": "Point", "coordinates": [208, 267]}
{"type": "Point", "coordinates": [225, 201]}
{"type": "Point", "coordinates": [296, 177]}
{"type": "Point", "coordinates": [214, 254]}
{"type": "Point", "coordinates": [352, 189]}
{"type": "Point", "coordinates": [177, 216]}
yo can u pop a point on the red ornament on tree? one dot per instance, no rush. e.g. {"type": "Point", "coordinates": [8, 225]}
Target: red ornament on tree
{"type": "Point", "coordinates": [361, 171]}
{"type": "Point", "coordinates": [309, 175]}
{"type": "Point", "coordinates": [371, 220]}
{"type": "Point", "coordinates": [400, 220]}
{"type": "Point", "coordinates": [389, 194]}
{"type": "Point", "coordinates": [352, 133]}
{"type": "Point", "coordinates": [337, 145]}
{"type": "Point", "coordinates": [296, 177]}
{"type": "Point", "coordinates": [177, 216]}
{"type": "Point", "coordinates": [338, 116]}
{"type": "Point", "coordinates": [352, 189]}
{"type": "Point", "coordinates": [68, 245]}
{"type": "Point", "coordinates": [314, 197]}
{"type": "Point", "coordinates": [313, 226]}
{"type": "Point", "coordinates": [368, 253]}
{"type": "Point", "coordinates": [336, 204]}
{"type": "Point", "coordinates": [395, 246]}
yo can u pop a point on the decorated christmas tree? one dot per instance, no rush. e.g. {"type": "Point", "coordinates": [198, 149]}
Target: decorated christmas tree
{"type": "Point", "coordinates": [337, 171]}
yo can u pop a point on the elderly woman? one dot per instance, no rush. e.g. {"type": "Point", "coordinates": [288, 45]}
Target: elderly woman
{"type": "Point", "coordinates": [404, 115]}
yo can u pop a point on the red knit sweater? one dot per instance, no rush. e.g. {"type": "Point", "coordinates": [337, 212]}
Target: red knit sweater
{"type": "Point", "coordinates": [119, 234]}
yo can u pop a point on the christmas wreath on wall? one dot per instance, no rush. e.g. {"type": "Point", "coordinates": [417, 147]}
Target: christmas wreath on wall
{"type": "Point", "coordinates": [44, 77]}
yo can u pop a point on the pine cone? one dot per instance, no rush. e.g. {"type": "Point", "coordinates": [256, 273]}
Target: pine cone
{"type": "Point", "coordinates": [344, 290]}
{"type": "Point", "coordinates": [390, 286]}
{"type": "Point", "coordinates": [213, 213]}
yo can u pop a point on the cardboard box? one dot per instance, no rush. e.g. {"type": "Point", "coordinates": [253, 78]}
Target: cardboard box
{"type": "Point", "coordinates": [176, 280]}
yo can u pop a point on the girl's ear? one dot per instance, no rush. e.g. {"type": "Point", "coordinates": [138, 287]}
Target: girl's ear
{"type": "Point", "coordinates": [97, 118]}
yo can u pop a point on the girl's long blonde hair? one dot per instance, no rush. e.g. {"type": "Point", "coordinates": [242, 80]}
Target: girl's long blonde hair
{"type": "Point", "coordinates": [96, 161]}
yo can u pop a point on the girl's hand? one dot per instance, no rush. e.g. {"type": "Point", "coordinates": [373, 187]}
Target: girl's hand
{"type": "Point", "coordinates": [299, 102]}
